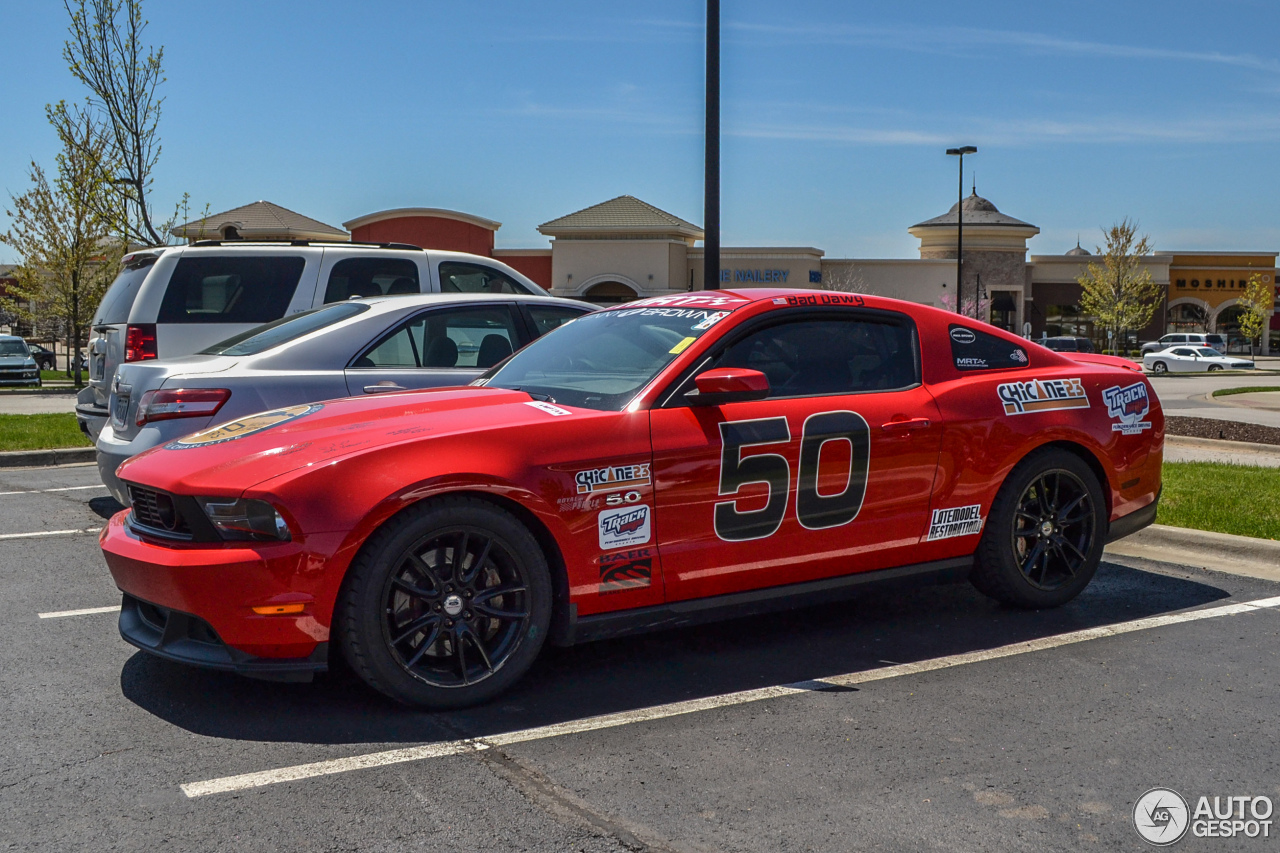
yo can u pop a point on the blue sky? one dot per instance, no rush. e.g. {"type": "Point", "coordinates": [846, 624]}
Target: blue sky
{"type": "Point", "coordinates": [835, 114]}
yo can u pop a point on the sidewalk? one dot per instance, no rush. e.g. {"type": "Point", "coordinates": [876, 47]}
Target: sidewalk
{"type": "Point", "coordinates": [1219, 552]}
{"type": "Point", "coordinates": [1178, 448]}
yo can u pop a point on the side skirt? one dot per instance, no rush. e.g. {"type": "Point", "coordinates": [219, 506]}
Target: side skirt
{"type": "Point", "coordinates": [735, 605]}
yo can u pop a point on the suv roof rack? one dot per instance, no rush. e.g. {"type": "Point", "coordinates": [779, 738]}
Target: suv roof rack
{"type": "Point", "coordinates": [401, 246]}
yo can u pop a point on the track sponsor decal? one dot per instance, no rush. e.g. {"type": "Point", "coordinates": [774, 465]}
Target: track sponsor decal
{"type": "Point", "coordinates": [549, 408]}
{"type": "Point", "coordinates": [624, 571]}
{"type": "Point", "coordinates": [612, 478]}
{"type": "Point", "coordinates": [825, 299]}
{"type": "Point", "coordinates": [241, 427]}
{"type": "Point", "coordinates": [628, 525]}
{"type": "Point", "coordinates": [957, 521]}
{"type": "Point", "coordinates": [710, 320]}
{"type": "Point", "coordinates": [1042, 395]}
{"type": "Point", "coordinates": [682, 346]}
{"type": "Point", "coordinates": [961, 335]}
{"type": "Point", "coordinates": [974, 350]}
{"type": "Point", "coordinates": [1130, 404]}
{"type": "Point", "coordinates": [709, 300]}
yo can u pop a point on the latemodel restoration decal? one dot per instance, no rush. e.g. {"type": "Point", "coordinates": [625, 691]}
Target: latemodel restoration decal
{"type": "Point", "coordinates": [241, 427]}
{"type": "Point", "coordinates": [612, 478]}
{"type": "Point", "coordinates": [627, 570]}
{"type": "Point", "coordinates": [1042, 395]}
{"type": "Point", "coordinates": [959, 521]}
{"type": "Point", "coordinates": [1130, 404]}
{"type": "Point", "coordinates": [619, 528]}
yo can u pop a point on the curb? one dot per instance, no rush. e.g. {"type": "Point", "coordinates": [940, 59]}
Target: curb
{"type": "Point", "coordinates": [42, 458]}
{"type": "Point", "coordinates": [1222, 552]}
{"type": "Point", "coordinates": [1222, 445]}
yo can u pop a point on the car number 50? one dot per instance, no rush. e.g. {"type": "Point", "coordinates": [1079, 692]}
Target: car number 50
{"type": "Point", "coordinates": [814, 511]}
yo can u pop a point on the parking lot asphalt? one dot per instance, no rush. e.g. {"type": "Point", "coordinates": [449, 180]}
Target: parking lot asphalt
{"type": "Point", "coordinates": [1043, 744]}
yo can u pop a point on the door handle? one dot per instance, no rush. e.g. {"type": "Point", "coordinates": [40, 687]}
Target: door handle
{"type": "Point", "coordinates": [902, 426]}
{"type": "Point", "coordinates": [383, 387]}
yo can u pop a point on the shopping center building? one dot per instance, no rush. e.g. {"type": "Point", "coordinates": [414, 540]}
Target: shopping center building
{"type": "Point", "coordinates": [625, 248]}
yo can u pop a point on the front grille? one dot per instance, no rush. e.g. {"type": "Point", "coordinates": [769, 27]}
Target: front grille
{"type": "Point", "coordinates": [156, 512]}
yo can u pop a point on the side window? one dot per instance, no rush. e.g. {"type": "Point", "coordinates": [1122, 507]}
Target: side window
{"type": "Point", "coordinates": [548, 317]}
{"type": "Point", "coordinates": [470, 337]}
{"type": "Point", "coordinates": [371, 277]}
{"type": "Point", "coordinates": [458, 277]}
{"type": "Point", "coordinates": [243, 289]}
{"type": "Point", "coordinates": [810, 357]}
{"type": "Point", "coordinates": [1184, 352]}
{"type": "Point", "coordinates": [975, 350]}
{"type": "Point", "coordinates": [1176, 339]}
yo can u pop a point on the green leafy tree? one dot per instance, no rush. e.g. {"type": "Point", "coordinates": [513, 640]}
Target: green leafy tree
{"type": "Point", "coordinates": [1120, 291]}
{"type": "Point", "coordinates": [1255, 304]}
{"type": "Point", "coordinates": [62, 230]}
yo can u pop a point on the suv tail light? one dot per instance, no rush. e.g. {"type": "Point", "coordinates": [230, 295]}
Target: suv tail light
{"type": "Point", "coordinates": [165, 405]}
{"type": "Point", "coordinates": [140, 342]}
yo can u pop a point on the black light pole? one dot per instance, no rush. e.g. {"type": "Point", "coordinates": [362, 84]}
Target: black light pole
{"type": "Point", "coordinates": [960, 152]}
{"type": "Point", "coordinates": [711, 171]}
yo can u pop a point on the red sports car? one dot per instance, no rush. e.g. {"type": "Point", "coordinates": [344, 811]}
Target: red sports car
{"type": "Point", "coordinates": [658, 463]}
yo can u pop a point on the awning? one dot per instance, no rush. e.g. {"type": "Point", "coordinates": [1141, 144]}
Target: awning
{"type": "Point", "coordinates": [1002, 300]}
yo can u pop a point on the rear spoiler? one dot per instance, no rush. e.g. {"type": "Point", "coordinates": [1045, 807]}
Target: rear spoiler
{"type": "Point", "coordinates": [1106, 360]}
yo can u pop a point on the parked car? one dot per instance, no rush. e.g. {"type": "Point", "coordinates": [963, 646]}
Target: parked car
{"type": "Point", "coordinates": [17, 366]}
{"type": "Point", "coordinates": [1195, 339]}
{"type": "Point", "coordinates": [361, 346]}
{"type": "Point", "coordinates": [44, 357]}
{"type": "Point", "coordinates": [1192, 360]}
{"type": "Point", "coordinates": [178, 300]}
{"type": "Point", "coordinates": [1068, 344]}
{"type": "Point", "coordinates": [654, 464]}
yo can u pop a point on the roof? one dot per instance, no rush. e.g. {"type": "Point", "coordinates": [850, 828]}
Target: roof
{"type": "Point", "coordinates": [431, 212]}
{"type": "Point", "coordinates": [257, 221]}
{"type": "Point", "coordinates": [977, 211]}
{"type": "Point", "coordinates": [624, 214]}
{"type": "Point", "coordinates": [1079, 251]}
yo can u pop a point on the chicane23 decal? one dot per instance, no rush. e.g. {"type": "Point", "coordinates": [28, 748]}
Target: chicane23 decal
{"type": "Point", "coordinates": [1042, 395]}
{"type": "Point", "coordinates": [625, 570]}
{"type": "Point", "coordinates": [624, 526]}
{"type": "Point", "coordinates": [612, 478]}
{"type": "Point", "coordinates": [1130, 404]}
{"type": "Point", "coordinates": [958, 521]}
{"type": "Point", "coordinates": [241, 427]}
{"type": "Point", "coordinates": [814, 511]}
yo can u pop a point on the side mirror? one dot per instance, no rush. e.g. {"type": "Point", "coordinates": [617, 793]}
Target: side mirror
{"type": "Point", "coordinates": [728, 385]}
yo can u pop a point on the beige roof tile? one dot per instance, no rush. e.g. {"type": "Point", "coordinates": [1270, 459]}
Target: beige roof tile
{"type": "Point", "coordinates": [259, 221]}
{"type": "Point", "coordinates": [623, 214]}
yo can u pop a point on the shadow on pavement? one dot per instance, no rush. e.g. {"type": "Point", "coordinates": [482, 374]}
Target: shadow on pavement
{"type": "Point", "coordinates": [105, 507]}
{"type": "Point", "coordinates": [881, 627]}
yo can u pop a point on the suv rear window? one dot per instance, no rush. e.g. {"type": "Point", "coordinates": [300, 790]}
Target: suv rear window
{"type": "Point", "coordinates": [211, 289]}
{"type": "Point", "coordinates": [118, 301]}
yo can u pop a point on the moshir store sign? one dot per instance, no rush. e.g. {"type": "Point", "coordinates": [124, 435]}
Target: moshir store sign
{"type": "Point", "coordinates": [757, 276]}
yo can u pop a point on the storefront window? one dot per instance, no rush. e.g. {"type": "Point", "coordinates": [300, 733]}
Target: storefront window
{"type": "Point", "coordinates": [1067, 320]}
{"type": "Point", "coordinates": [1187, 318]}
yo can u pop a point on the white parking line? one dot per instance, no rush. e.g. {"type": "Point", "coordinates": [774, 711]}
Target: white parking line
{"type": "Point", "coordinates": [40, 533]}
{"type": "Point", "coordinates": [658, 712]}
{"type": "Point", "coordinates": [58, 614]}
{"type": "Point", "coordinates": [59, 489]}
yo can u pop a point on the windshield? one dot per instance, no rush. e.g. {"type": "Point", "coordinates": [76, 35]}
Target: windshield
{"type": "Point", "coordinates": [1207, 351]}
{"type": "Point", "coordinates": [602, 360]}
{"type": "Point", "coordinates": [262, 338]}
{"type": "Point", "coordinates": [12, 348]}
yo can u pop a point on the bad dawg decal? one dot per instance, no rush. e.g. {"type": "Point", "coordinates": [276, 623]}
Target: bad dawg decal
{"type": "Point", "coordinates": [627, 570]}
{"type": "Point", "coordinates": [612, 478]}
{"type": "Point", "coordinates": [1130, 404]}
{"type": "Point", "coordinates": [619, 528]}
{"type": "Point", "coordinates": [960, 521]}
{"type": "Point", "coordinates": [1042, 395]}
{"type": "Point", "coordinates": [241, 427]}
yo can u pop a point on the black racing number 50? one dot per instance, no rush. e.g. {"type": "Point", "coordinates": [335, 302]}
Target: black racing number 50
{"type": "Point", "coordinates": [815, 511]}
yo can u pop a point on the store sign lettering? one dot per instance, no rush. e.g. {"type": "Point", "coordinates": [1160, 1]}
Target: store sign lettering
{"type": "Point", "coordinates": [757, 276]}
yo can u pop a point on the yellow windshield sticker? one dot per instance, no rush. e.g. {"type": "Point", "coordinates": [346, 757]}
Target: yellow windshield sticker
{"type": "Point", "coordinates": [243, 426]}
{"type": "Point", "coordinates": [682, 346]}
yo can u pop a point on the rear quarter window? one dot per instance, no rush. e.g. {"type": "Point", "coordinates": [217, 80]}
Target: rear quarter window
{"type": "Point", "coordinates": [212, 289]}
{"type": "Point", "coordinates": [975, 350]}
{"type": "Point", "coordinates": [118, 301]}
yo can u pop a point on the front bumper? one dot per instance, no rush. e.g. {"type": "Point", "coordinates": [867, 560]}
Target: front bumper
{"type": "Point", "coordinates": [193, 602]}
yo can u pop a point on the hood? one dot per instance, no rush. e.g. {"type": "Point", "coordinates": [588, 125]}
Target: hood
{"type": "Point", "coordinates": [1105, 360]}
{"type": "Point", "coordinates": [16, 360]}
{"type": "Point", "coordinates": [234, 456]}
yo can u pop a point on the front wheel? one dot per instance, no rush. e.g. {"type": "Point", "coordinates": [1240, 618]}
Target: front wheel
{"type": "Point", "coordinates": [447, 605]}
{"type": "Point", "coordinates": [1045, 532]}
{"type": "Point", "coordinates": [1159, 367]}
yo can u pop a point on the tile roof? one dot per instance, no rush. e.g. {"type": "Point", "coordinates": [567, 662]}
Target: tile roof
{"type": "Point", "coordinates": [977, 211]}
{"type": "Point", "coordinates": [260, 220]}
{"type": "Point", "coordinates": [624, 213]}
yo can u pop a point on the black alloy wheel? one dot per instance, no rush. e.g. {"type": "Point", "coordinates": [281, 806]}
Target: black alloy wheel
{"type": "Point", "coordinates": [1043, 538]}
{"type": "Point", "coordinates": [446, 605]}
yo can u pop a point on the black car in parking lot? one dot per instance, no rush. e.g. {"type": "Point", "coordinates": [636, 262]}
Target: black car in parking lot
{"type": "Point", "coordinates": [1067, 343]}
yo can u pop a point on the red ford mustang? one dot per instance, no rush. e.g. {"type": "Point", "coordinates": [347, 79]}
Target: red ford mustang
{"type": "Point", "coordinates": [659, 463]}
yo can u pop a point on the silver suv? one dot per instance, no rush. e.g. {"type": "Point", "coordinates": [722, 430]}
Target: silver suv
{"type": "Point", "coordinates": [1195, 339]}
{"type": "Point", "coordinates": [175, 301]}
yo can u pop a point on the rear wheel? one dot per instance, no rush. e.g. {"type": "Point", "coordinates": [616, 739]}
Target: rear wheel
{"type": "Point", "coordinates": [1045, 533]}
{"type": "Point", "coordinates": [1213, 368]}
{"type": "Point", "coordinates": [447, 605]}
{"type": "Point", "coordinates": [1159, 367]}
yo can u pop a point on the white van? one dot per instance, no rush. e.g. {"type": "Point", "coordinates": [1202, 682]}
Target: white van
{"type": "Point", "coordinates": [178, 300]}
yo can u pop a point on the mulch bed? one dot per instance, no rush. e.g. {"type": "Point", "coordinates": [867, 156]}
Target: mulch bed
{"type": "Point", "coordinates": [1228, 430]}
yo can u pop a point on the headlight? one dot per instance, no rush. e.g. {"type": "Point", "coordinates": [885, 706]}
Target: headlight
{"type": "Point", "coordinates": [245, 520]}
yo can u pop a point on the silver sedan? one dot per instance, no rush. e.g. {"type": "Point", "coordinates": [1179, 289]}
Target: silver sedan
{"type": "Point", "coordinates": [362, 346]}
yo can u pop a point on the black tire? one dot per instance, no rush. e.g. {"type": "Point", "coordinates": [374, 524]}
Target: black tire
{"type": "Point", "coordinates": [396, 621]}
{"type": "Point", "coordinates": [1045, 532]}
{"type": "Point", "coordinates": [1213, 368]}
{"type": "Point", "coordinates": [1159, 367]}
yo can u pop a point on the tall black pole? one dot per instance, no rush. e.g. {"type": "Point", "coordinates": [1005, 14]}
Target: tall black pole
{"type": "Point", "coordinates": [711, 171]}
{"type": "Point", "coordinates": [960, 244]}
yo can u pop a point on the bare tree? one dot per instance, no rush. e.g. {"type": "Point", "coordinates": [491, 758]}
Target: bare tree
{"type": "Point", "coordinates": [1120, 291]}
{"type": "Point", "coordinates": [106, 53]}
{"type": "Point", "coordinates": [845, 278]}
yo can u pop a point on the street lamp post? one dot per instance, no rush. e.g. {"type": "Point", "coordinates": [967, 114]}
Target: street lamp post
{"type": "Point", "coordinates": [960, 152]}
{"type": "Point", "coordinates": [711, 167]}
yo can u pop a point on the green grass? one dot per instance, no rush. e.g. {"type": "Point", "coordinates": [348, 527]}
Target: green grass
{"type": "Point", "coordinates": [1227, 392]}
{"type": "Point", "coordinates": [40, 432]}
{"type": "Point", "coordinates": [1237, 499]}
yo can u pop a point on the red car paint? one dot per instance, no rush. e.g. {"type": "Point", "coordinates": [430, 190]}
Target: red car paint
{"type": "Point", "coordinates": [939, 448]}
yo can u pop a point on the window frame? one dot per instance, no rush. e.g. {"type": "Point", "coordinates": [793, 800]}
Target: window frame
{"type": "Point", "coordinates": [484, 268]}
